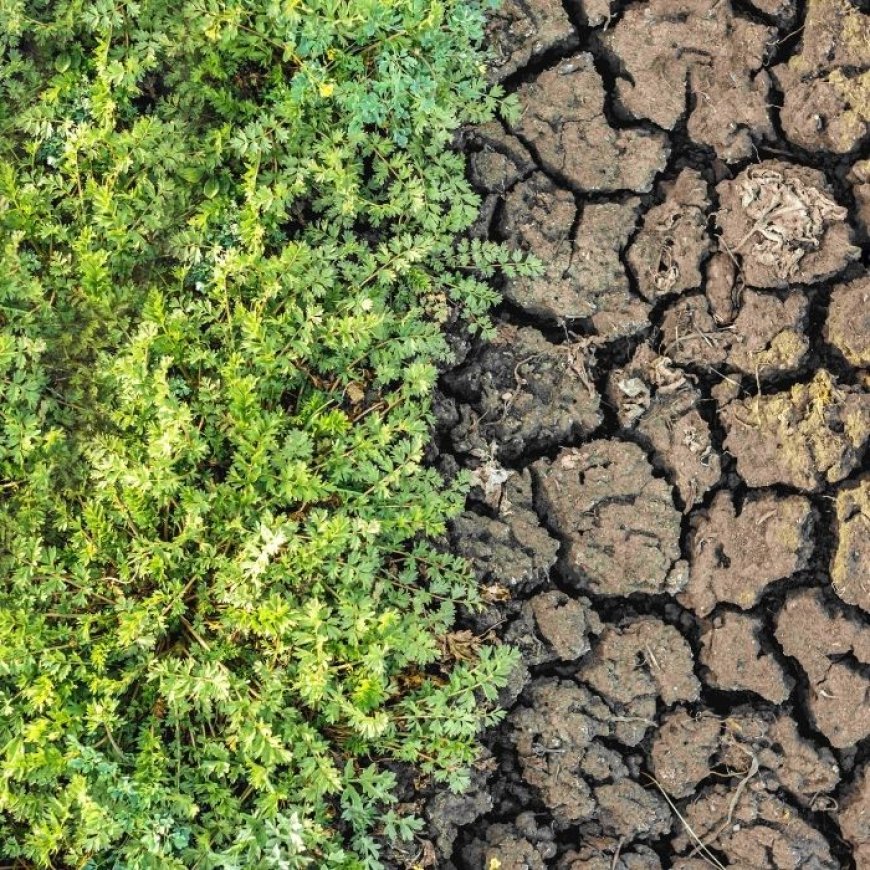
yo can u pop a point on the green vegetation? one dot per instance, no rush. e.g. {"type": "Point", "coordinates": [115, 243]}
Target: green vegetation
{"type": "Point", "coordinates": [228, 243]}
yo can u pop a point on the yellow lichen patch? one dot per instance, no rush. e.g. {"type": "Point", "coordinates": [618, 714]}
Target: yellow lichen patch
{"type": "Point", "coordinates": [786, 348]}
{"type": "Point", "coordinates": [855, 93]}
{"type": "Point", "coordinates": [805, 437]}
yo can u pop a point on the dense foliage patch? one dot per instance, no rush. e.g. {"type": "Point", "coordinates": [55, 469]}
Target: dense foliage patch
{"type": "Point", "coordinates": [228, 242]}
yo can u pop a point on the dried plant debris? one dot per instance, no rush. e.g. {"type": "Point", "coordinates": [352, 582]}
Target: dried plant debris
{"type": "Point", "coordinates": [511, 550]}
{"type": "Point", "coordinates": [736, 555]}
{"type": "Point", "coordinates": [520, 30]}
{"type": "Point", "coordinates": [617, 522]}
{"type": "Point", "coordinates": [524, 393]}
{"type": "Point", "coordinates": [667, 254]}
{"type": "Point", "coordinates": [848, 323]}
{"type": "Point", "coordinates": [832, 647]}
{"type": "Point", "coordinates": [850, 563]}
{"type": "Point", "coordinates": [563, 120]}
{"type": "Point", "coordinates": [811, 435]}
{"type": "Point", "coordinates": [780, 221]}
{"type": "Point", "coordinates": [732, 653]}
{"type": "Point", "coordinates": [666, 48]}
{"type": "Point", "coordinates": [826, 85]}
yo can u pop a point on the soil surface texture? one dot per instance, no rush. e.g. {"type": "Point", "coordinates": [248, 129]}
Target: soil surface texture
{"type": "Point", "coordinates": [668, 439]}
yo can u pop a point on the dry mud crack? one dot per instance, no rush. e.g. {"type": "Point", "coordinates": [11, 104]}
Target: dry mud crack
{"type": "Point", "coordinates": [668, 438]}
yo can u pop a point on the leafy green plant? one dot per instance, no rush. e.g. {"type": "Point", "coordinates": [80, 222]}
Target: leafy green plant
{"type": "Point", "coordinates": [229, 242]}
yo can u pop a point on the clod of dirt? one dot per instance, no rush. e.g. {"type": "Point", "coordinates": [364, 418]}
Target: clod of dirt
{"type": "Point", "coordinates": [566, 624]}
{"type": "Point", "coordinates": [626, 809]}
{"type": "Point", "coordinates": [552, 627]}
{"type": "Point", "coordinates": [766, 338]}
{"type": "Point", "coordinates": [583, 275]}
{"type": "Point", "coordinates": [681, 443]}
{"type": "Point", "coordinates": [735, 557]}
{"type": "Point", "coordinates": [633, 667]}
{"type": "Point", "coordinates": [667, 253]}
{"type": "Point", "coordinates": [555, 742]}
{"type": "Point", "coordinates": [723, 288]}
{"type": "Point", "coordinates": [580, 779]}
{"type": "Point", "coordinates": [819, 113]}
{"type": "Point", "coordinates": [732, 653]}
{"type": "Point", "coordinates": [804, 437]}
{"type": "Point", "coordinates": [563, 120]}
{"type": "Point", "coordinates": [602, 291]}
{"type": "Point", "coordinates": [600, 853]}
{"type": "Point", "coordinates": [596, 12]}
{"type": "Point", "coordinates": [855, 816]}
{"type": "Point", "coordinates": [835, 34]}
{"type": "Point", "coordinates": [859, 178]}
{"type": "Point", "coordinates": [759, 740]}
{"type": "Point", "coordinates": [850, 564]}
{"type": "Point", "coordinates": [520, 30]}
{"type": "Point", "coordinates": [666, 47]}
{"type": "Point", "coordinates": [501, 160]}
{"type": "Point", "coordinates": [683, 749]}
{"type": "Point", "coordinates": [848, 323]}
{"type": "Point", "coordinates": [753, 829]}
{"type": "Point", "coordinates": [619, 528]}
{"type": "Point", "coordinates": [726, 391]}
{"type": "Point", "coordinates": [446, 812]}
{"type": "Point", "coordinates": [511, 550]}
{"type": "Point", "coordinates": [525, 394]}
{"type": "Point", "coordinates": [783, 224]}
{"type": "Point", "coordinates": [754, 745]}
{"type": "Point", "coordinates": [827, 645]}
{"type": "Point", "coordinates": [539, 217]}
{"type": "Point", "coordinates": [668, 421]}
{"type": "Point", "coordinates": [827, 97]}
{"type": "Point", "coordinates": [503, 848]}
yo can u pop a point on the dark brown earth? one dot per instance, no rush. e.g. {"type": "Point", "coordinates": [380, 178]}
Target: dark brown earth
{"type": "Point", "coordinates": [668, 441]}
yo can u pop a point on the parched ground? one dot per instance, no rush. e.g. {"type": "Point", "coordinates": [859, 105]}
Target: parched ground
{"type": "Point", "coordinates": [669, 436]}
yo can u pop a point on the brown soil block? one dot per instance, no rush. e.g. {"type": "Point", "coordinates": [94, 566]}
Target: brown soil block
{"type": "Point", "coordinates": [563, 120]}
{"type": "Point", "coordinates": [668, 50]}
{"type": "Point", "coordinates": [806, 437]}
{"type": "Point", "coordinates": [618, 523]}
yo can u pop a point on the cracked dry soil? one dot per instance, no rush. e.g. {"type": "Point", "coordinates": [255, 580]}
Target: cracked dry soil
{"type": "Point", "coordinates": [668, 435]}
